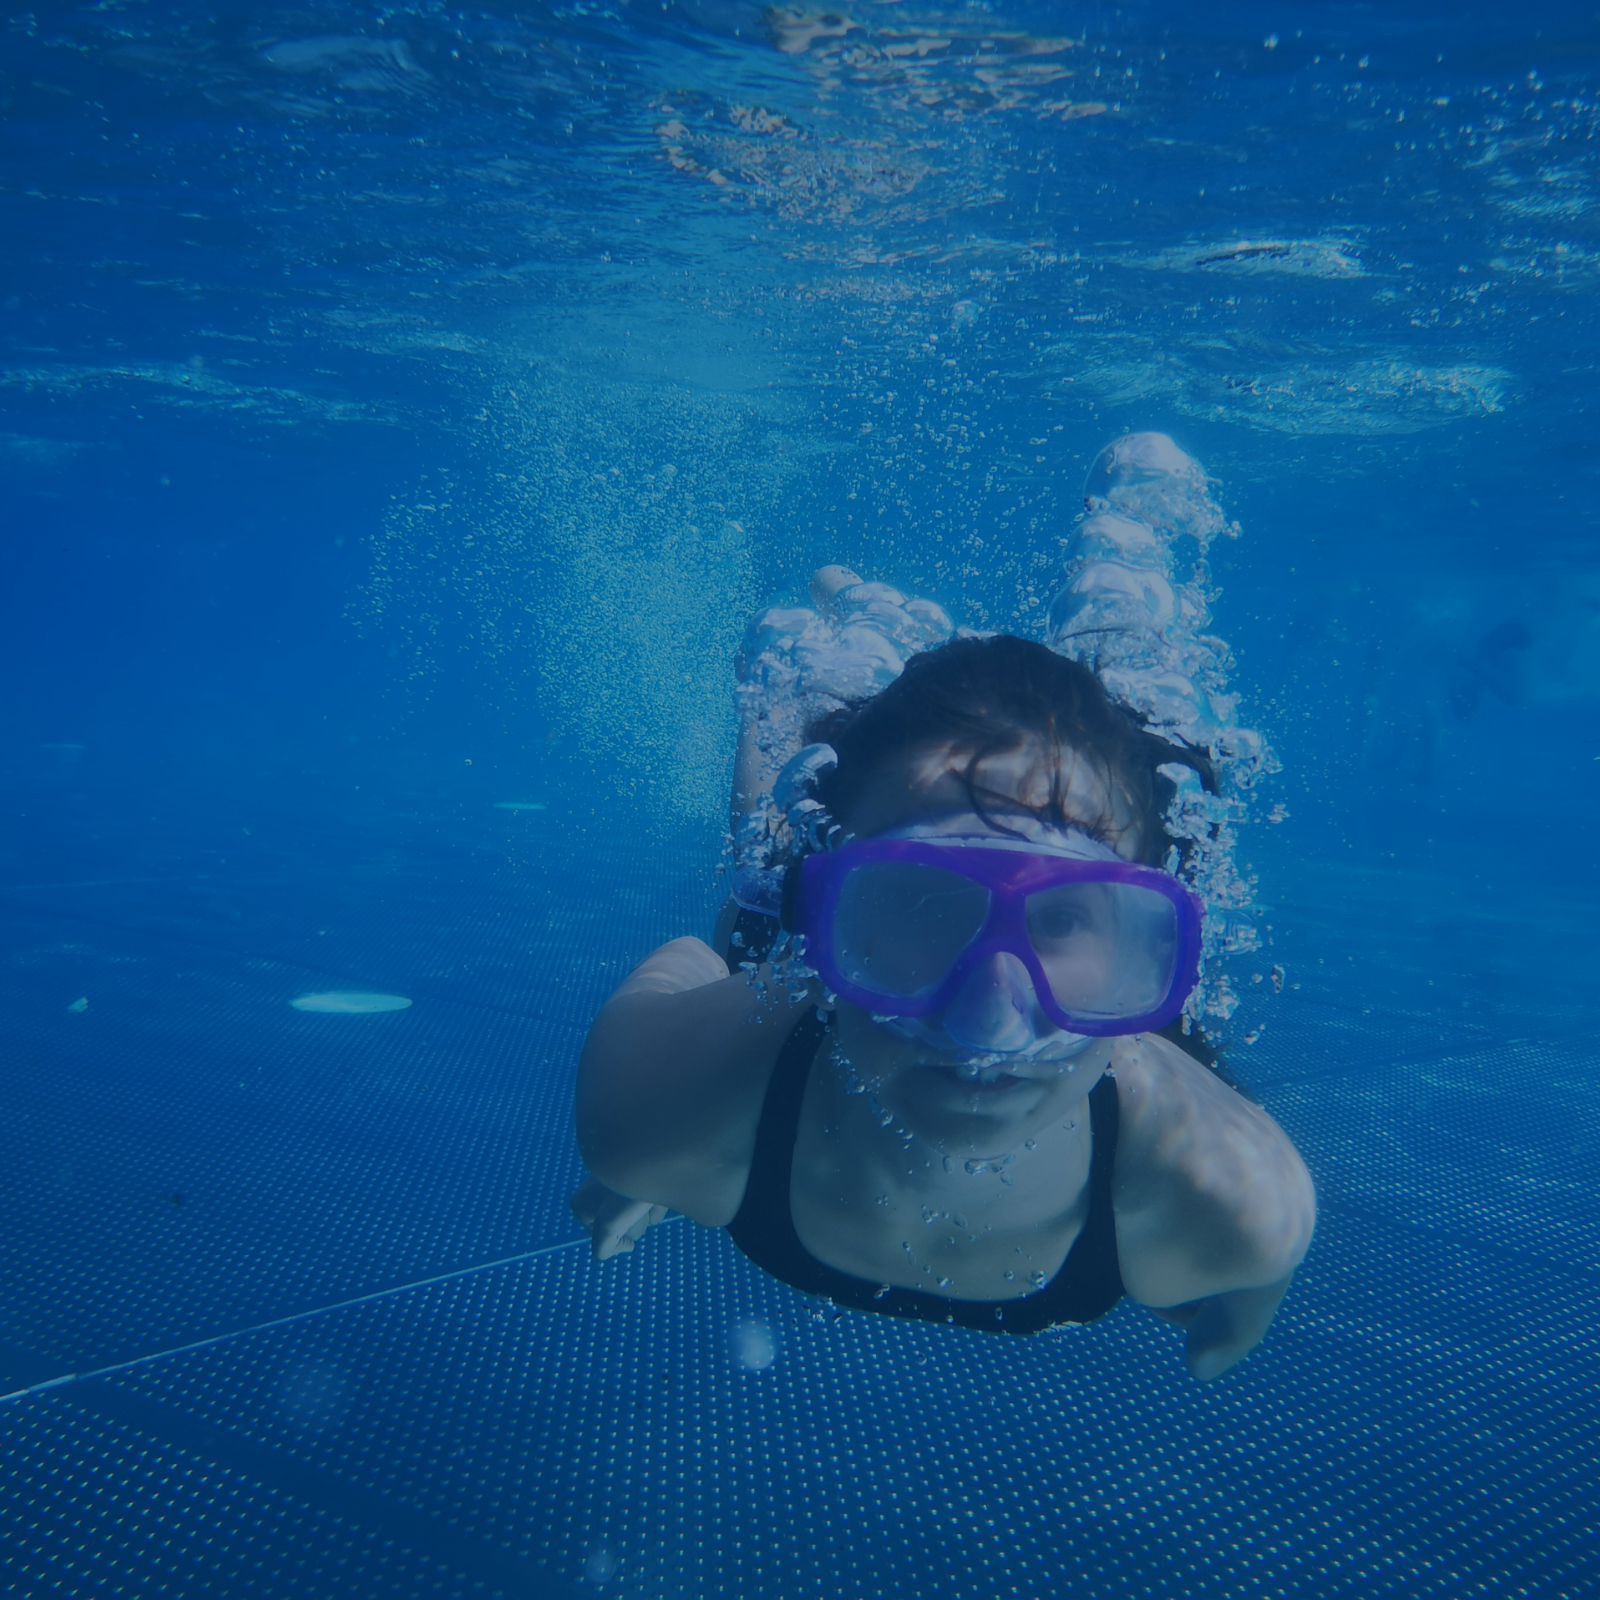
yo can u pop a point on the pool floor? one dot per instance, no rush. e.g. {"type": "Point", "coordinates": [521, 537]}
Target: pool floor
{"type": "Point", "coordinates": [186, 1155]}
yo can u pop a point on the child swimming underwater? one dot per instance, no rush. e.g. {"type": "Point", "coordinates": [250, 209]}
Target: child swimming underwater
{"type": "Point", "coordinates": [991, 1123]}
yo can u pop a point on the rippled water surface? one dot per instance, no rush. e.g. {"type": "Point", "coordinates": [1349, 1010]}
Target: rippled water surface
{"type": "Point", "coordinates": [403, 409]}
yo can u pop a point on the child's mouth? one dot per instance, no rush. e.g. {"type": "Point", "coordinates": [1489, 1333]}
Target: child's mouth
{"type": "Point", "coordinates": [983, 1080]}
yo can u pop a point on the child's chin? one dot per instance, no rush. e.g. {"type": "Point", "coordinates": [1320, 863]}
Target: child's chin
{"type": "Point", "coordinates": [950, 1090]}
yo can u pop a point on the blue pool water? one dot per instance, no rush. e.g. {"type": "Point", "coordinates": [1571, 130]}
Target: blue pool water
{"type": "Point", "coordinates": [403, 408]}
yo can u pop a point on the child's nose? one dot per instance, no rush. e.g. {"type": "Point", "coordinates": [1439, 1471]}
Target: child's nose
{"type": "Point", "coordinates": [994, 1009]}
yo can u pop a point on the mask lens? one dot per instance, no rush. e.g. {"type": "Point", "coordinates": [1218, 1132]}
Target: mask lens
{"type": "Point", "coordinates": [899, 926]}
{"type": "Point", "coordinates": [1108, 949]}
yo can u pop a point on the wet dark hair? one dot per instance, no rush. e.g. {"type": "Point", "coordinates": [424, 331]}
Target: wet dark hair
{"type": "Point", "coordinates": [987, 697]}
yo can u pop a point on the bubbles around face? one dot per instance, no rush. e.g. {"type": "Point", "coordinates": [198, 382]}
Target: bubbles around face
{"type": "Point", "coordinates": [755, 1345]}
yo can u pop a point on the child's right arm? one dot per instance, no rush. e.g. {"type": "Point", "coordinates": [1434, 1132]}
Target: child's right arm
{"type": "Point", "coordinates": [670, 1086]}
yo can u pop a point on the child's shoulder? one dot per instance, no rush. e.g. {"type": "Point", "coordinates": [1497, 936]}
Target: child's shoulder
{"type": "Point", "coordinates": [1158, 1080]}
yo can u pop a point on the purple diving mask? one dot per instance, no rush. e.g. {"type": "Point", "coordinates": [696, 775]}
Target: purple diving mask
{"type": "Point", "coordinates": [896, 926]}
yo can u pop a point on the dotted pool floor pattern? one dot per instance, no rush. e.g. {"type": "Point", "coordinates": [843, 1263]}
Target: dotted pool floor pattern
{"type": "Point", "coordinates": [188, 1155]}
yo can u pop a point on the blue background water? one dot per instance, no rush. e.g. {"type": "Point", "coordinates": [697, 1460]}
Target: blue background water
{"type": "Point", "coordinates": [400, 411]}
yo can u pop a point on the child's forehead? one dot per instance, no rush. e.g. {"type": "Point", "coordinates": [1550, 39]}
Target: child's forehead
{"type": "Point", "coordinates": [1029, 779]}
{"type": "Point", "coordinates": [1028, 773]}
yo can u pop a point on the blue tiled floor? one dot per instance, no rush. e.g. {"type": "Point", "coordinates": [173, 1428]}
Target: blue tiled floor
{"type": "Point", "coordinates": [188, 1155]}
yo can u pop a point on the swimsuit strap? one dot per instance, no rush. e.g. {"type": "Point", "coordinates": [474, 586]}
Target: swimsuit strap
{"type": "Point", "coordinates": [1087, 1286]}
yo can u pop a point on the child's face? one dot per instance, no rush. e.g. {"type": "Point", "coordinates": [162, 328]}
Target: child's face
{"type": "Point", "coordinates": [978, 1075]}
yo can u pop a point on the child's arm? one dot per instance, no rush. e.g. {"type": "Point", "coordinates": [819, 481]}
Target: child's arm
{"type": "Point", "coordinates": [1215, 1208]}
{"type": "Point", "coordinates": [670, 1086]}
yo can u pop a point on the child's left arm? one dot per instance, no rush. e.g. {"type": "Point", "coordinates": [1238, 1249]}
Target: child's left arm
{"type": "Point", "coordinates": [1214, 1207]}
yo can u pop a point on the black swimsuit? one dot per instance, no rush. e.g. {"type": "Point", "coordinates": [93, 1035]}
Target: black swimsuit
{"type": "Point", "coordinates": [1087, 1286]}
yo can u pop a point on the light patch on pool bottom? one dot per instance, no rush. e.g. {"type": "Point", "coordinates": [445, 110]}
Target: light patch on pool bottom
{"type": "Point", "coordinates": [520, 805]}
{"type": "Point", "coordinates": [755, 1345]}
{"type": "Point", "coordinates": [349, 1002]}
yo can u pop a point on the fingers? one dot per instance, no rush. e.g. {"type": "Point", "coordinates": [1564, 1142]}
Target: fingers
{"type": "Point", "coordinates": [610, 1235]}
{"type": "Point", "coordinates": [586, 1202]}
{"type": "Point", "coordinates": [1228, 1327]}
{"type": "Point", "coordinates": [615, 1223]}
{"type": "Point", "coordinates": [620, 1230]}
{"type": "Point", "coordinates": [1209, 1353]}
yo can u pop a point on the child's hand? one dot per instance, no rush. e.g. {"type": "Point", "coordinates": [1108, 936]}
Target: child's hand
{"type": "Point", "coordinates": [1224, 1328]}
{"type": "Point", "coordinates": [615, 1223]}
